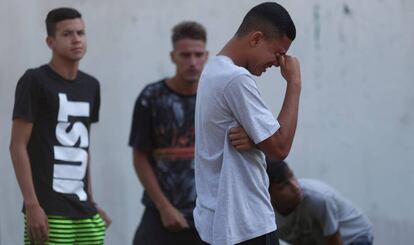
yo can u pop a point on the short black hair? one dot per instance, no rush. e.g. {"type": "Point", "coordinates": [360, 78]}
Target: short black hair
{"type": "Point", "coordinates": [59, 14]}
{"type": "Point", "coordinates": [278, 171]}
{"type": "Point", "coordinates": [188, 29]}
{"type": "Point", "coordinates": [271, 19]}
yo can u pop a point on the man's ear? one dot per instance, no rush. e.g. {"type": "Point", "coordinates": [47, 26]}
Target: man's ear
{"type": "Point", "coordinates": [255, 38]}
{"type": "Point", "coordinates": [172, 56]}
{"type": "Point", "coordinates": [49, 42]}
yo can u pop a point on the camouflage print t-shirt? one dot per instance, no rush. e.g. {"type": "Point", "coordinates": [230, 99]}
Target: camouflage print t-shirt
{"type": "Point", "coordinates": [163, 125]}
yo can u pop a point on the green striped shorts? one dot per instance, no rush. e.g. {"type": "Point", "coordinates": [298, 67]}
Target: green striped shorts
{"type": "Point", "coordinates": [64, 230]}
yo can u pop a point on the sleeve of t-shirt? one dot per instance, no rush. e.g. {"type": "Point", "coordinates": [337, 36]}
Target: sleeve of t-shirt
{"type": "Point", "coordinates": [96, 104]}
{"type": "Point", "coordinates": [26, 100]}
{"type": "Point", "coordinates": [244, 100]}
{"type": "Point", "coordinates": [328, 216]}
{"type": "Point", "coordinates": [140, 135]}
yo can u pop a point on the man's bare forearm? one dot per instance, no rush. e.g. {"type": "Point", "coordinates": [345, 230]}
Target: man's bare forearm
{"type": "Point", "coordinates": [23, 171]}
{"type": "Point", "coordinates": [148, 179]}
{"type": "Point", "coordinates": [288, 116]}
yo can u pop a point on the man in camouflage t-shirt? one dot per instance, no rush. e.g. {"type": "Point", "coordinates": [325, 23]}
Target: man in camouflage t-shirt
{"type": "Point", "coordinates": [162, 138]}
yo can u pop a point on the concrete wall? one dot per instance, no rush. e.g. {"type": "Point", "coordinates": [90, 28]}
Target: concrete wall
{"type": "Point", "coordinates": [356, 121]}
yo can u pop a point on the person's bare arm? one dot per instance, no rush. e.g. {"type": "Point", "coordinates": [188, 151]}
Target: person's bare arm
{"type": "Point", "coordinates": [37, 221]}
{"type": "Point", "coordinates": [240, 140]}
{"type": "Point", "coordinates": [100, 210]}
{"type": "Point", "coordinates": [171, 218]}
{"type": "Point", "coordinates": [334, 239]}
{"type": "Point", "coordinates": [279, 144]}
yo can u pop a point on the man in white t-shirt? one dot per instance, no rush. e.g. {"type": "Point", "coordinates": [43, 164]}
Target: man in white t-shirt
{"type": "Point", "coordinates": [309, 211]}
{"type": "Point", "coordinates": [233, 203]}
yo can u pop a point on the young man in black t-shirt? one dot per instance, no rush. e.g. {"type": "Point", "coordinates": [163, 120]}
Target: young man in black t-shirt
{"type": "Point", "coordinates": [162, 138]}
{"type": "Point", "coordinates": [55, 105]}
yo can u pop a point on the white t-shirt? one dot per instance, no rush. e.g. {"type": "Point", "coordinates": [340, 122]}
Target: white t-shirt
{"type": "Point", "coordinates": [233, 202]}
{"type": "Point", "coordinates": [322, 212]}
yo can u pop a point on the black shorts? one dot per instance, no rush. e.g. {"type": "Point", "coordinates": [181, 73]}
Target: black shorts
{"type": "Point", "coordinates": [152, 232]}
{"type": "Point", "coordinates": [266, 239]}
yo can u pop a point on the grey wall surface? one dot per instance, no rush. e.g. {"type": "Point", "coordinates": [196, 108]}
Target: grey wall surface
{"type": "Point", "coordinates": [356, 121]}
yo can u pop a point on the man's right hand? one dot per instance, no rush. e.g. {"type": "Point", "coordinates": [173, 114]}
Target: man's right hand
{"type": "Point", "coordinates": [289, 68]}
{"type": "Point", "coordinates": [37, 223]}
{"type": "Point", "coordinates": [172, 219]}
